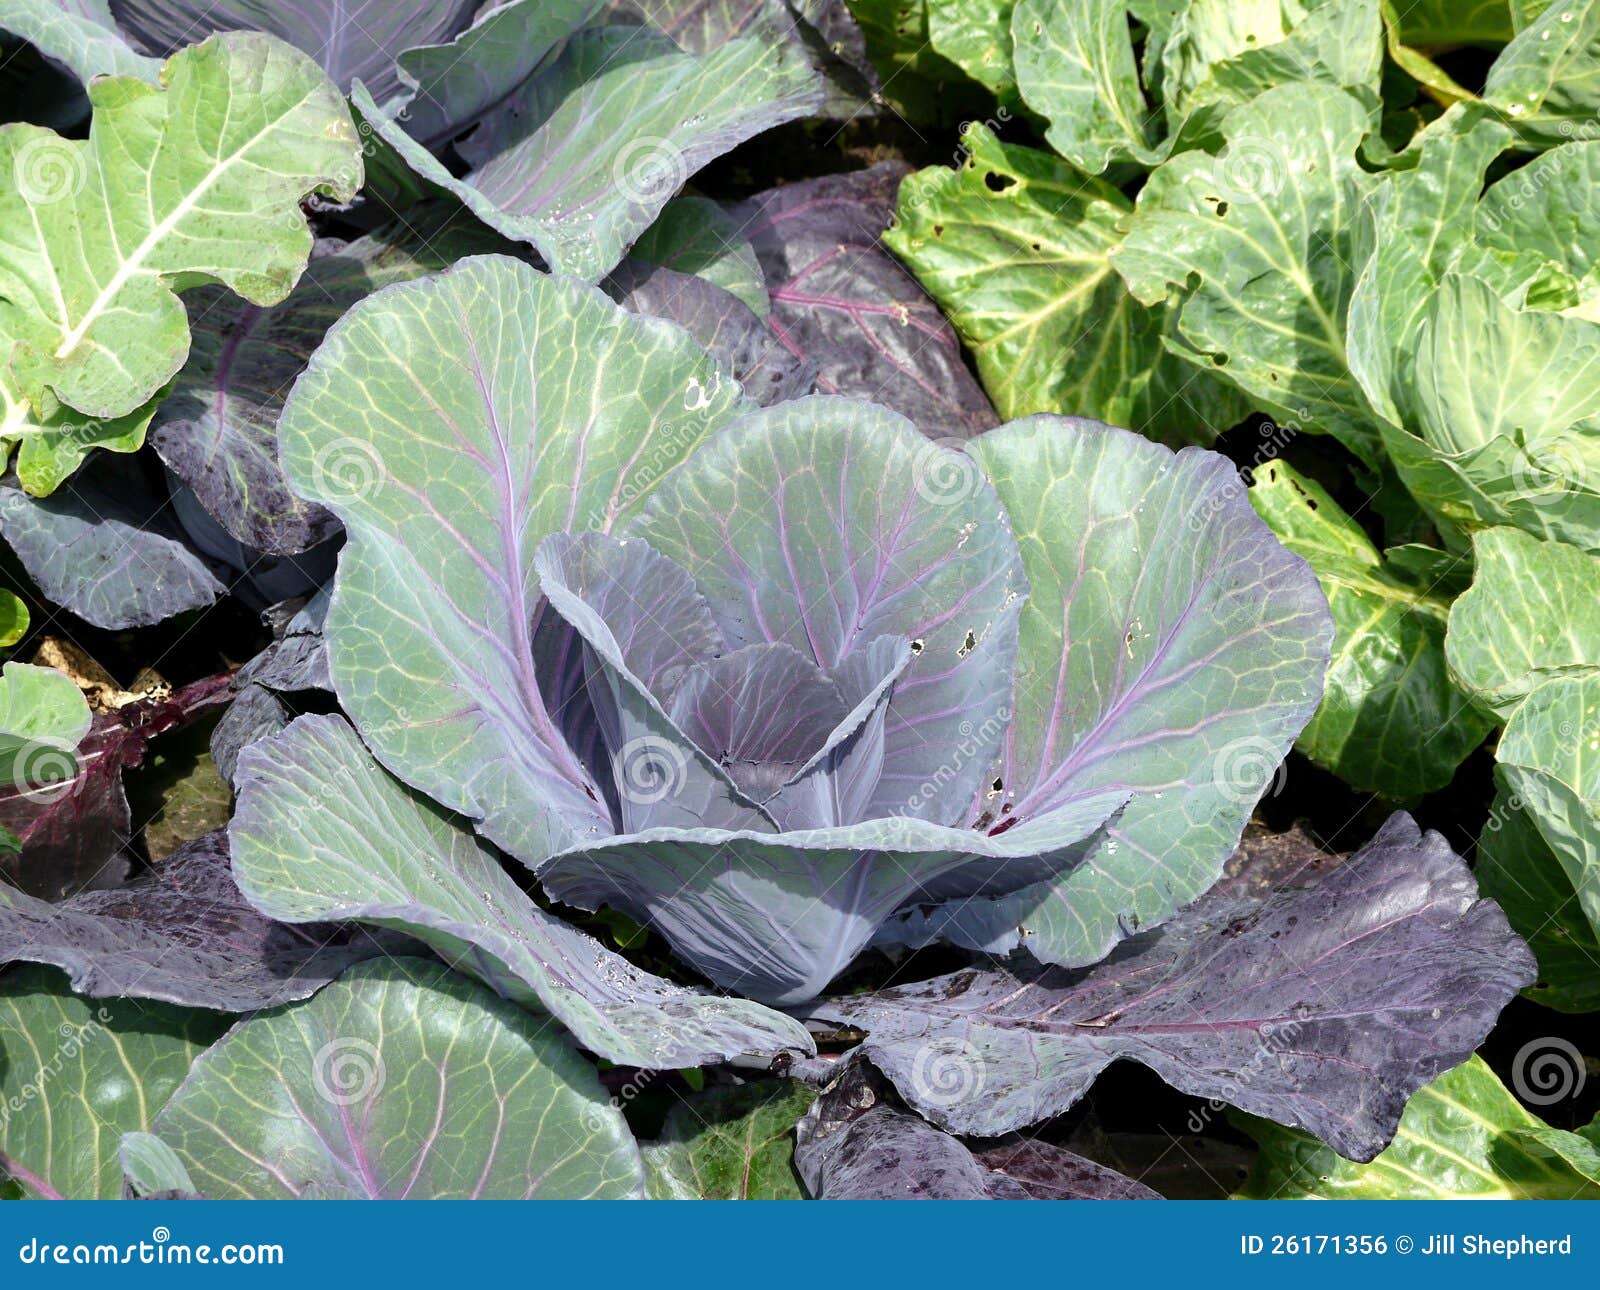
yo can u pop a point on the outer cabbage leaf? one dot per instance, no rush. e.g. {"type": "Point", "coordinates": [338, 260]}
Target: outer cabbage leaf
{"type": "Point", "coordinates": [975, 35]}
{"type": "Point", "coordinates": [54, 441]}
{"type": "Point", "coordinates": [401, 1080]}
{"type": "Point", "coordinates": [582, 156]}
{"type": "Point", "coordinates": [108, 548]}
{"type": "Point", "coordinates": [87, 1072]}
{"type": "Point", "coordinates": [1453, 287]}
{"type": "Point", "coordinates": [1531, 615]}
{"type": "Point", "coordinates": [1457, 22]}
{"type": "Point", "coordinates": [1075, 65]}
{"type": "Point", "coordinates": [778, 915]}
{"type": "Point", "coordinates": [916, 78]}
{"type": "Point", "coordinates": [855, 1144]}
{"type": "Point", "coordinates": [1463, 1136]}
{"type": "Point", "coordinates": [348, 46]}
{"type": "Point", "coordinates": [726, 328]}
{"type": "Point", "coordinates": [151, 1170]}
{"type": "Point", "coordinates": [100, 232]}
{"type": "Point", "coordinates": [823, 30]}
{"type": "Point", "coordinates": [183, 935]}
{"type": "Point", "coordinates": [483, 409]}
{"type": "Point", "coordinates": [1264, 282]}
{"type": "Point", "coordinates": [1547, 80]}
{"type": "Point", "coordinates": [217, 430]}
{"type": "Point", "coordinates": [13, 618]}
{"type": "Point", "coordinates": [1517, 867]}
{"type": "Point", "coordinates": [852, 1145]}
{"type": "Point", "coordinates": [441, 63]}
{"type": "Point", "coordinates": [1170, 646]}
{"type": "Point", "coordinates": [1419, 222]}
{"type": "Point", "coordinates": [80, 35]}
{"type": "Point", "coordinates": [43, 719]}
{"type": "Point", "coordinates": [322, 833]}
{"type": "Point", "coordinates": [1044, 1171]}
{"type": "Point", "coordinates": [1549, 761]}
{"type": "Point", "coordinates": [1015, 245]}
{"type": "Point", "coordinates": [1219, 53]}
{"type": "Point", "coordinates": [840, 301]}
{"type": "Point", "coordinates": [1542, 210]}
{"type": "Point", "coordinates": [1391, 721]}
{"type": "Point", "coordinates": [1534, 456]}
{"type": "Point", "coordinates": [449, 86]}
{"type": "Point", "coordinates": [1402, 42]}
{"type": "Point", "coordinates": [695, 235]}
{"type": "Point", "coordinates": [1321, 1004]}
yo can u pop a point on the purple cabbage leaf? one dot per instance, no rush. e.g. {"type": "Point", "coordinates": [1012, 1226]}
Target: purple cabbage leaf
{"type": "Point", "coordinates": [1321, 1000]}
{"type": "Point", "coordinates": [108, 547]}
{"type": "Point", "coordinates": [182, 934]}
{"type": "Point", "coordinates": [216, 430]}
{"type": "Point", "coordinates": [842, 302]}
{"type": "Point", "coordinates": [856, 1143]}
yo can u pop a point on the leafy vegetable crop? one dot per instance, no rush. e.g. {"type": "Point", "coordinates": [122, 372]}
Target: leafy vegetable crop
{"type": "Point", "coordinates": [737, 600]}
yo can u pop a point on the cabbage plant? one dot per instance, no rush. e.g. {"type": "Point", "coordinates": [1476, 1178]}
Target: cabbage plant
{"type": "Point", "coordinates": [778, 684]}
{"type": "Point", "coordinates": [765, 678]}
